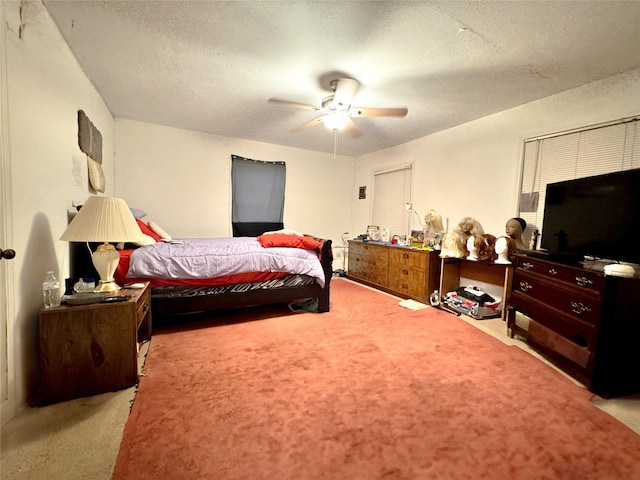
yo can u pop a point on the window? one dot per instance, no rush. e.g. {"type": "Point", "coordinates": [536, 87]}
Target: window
{"type": "Point", "coordinates": [594, 150]}
{"type": "Point", "coordinates": [391, 191]}
{"type": "Point", "coordinates": [257, 190]}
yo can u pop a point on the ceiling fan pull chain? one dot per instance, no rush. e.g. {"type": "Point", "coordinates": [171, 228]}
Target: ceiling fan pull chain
{"type": "Point", "coordinates": [335, 143]}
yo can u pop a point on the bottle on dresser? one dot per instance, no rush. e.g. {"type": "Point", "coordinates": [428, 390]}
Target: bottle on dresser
{"type": "Point", "coordinates": [51, 290]}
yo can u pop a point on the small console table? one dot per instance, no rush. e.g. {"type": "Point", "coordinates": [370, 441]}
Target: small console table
{"type": "Point", "coordinates": [585, 322]}
{"type": "Point", "coordinates": [488, 272]}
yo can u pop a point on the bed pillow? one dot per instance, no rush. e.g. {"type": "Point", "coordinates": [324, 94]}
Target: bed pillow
{"type": "Point", "coordinates": [137, 213]}
{"type": "Point", "coordinates": [146, 240]}
{"type": "Point", "coordinates": [285, 230]}
{"type": "Point", "coordinates": [147, 231]}
{"type": "Point", "coordinates": [159, 231]}
{"type": "Point", "coordinates": [287, 240]}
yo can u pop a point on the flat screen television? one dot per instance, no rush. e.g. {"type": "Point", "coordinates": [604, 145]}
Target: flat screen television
{"type": "Point", "coordinates": [594, 217]}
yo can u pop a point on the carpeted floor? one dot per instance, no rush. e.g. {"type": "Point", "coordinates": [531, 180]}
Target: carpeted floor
{"type": "Point", "coordinates": [366, 391]}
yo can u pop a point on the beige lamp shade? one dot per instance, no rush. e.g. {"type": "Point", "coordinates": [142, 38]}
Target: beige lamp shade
{"type": "Point", "coordinates": [104, 219]}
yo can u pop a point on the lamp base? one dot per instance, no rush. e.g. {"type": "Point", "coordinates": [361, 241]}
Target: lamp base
{"type": "Point", "coordinates": [105, 286]}
{"type": "Point", "coordinates": [105, 261]}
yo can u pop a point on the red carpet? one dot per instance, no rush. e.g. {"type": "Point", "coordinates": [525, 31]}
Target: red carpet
{"type": "Point", "coordinates": [367, 391]}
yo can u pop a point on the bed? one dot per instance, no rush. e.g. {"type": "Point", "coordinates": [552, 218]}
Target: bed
{"type": "Point", "coordinates": [244, 283]}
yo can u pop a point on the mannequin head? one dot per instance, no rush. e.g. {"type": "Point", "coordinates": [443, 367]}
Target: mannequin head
{"type": "Point", "coordinates": [473, 243]}
{"type": "Point", "coordinates": [452, 245]}
{"type": "Point", "coordinates": [505, 248]}
{"type": "Point", "coordinates": [514, 228]}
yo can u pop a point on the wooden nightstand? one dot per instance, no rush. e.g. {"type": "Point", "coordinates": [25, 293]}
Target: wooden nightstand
{"type": "Point", "coordinates": [91, 349]}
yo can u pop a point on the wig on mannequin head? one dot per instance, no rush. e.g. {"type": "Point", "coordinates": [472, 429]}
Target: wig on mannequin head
{"type": "Point", "coordinates": [468, 226]}
{"type": "Point", "coordinates": [433, 221]}
{"type": "Point", "coordinates": [452, 245]}
{"type": "Point", "coordinates": [433, 230]}
{"type": "Point", "coordinates": [486, 248]}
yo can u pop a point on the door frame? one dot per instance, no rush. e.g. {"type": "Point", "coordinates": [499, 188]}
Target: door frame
{"type": "Point", "coordinates": [7, 308]}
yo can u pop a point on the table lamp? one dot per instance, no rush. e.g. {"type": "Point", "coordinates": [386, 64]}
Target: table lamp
{"type": "Point", "coordinates": [104, 219]}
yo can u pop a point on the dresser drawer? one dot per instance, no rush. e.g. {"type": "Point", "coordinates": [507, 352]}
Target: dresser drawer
{"type": "Point", "coordinates": [572, 276]}
{"type": "Point", "coordinates": [404, 258]}
{"type": "Point", "coordinates": [142, 307]}
{"type": "Point", "coordinates": [582, 306]}
{"type": "Point", "coordinates": [368, 262]}
{"type": "Point", "coordinates": [407, 281]}
{"type": "Point", "coordinates": [576, 331]}
{"type": "Point", "coordinates": [549, 339]}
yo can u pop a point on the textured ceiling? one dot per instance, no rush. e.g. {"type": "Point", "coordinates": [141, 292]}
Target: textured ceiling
{"type": "Point", "coordinates": [211, 66]}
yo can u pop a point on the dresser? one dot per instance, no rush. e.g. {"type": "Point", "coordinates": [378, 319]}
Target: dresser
{"type": "Point", "coordinates": [585, 322]}
{"type": "Point", "coordinates": [402, 271]}
{"type": "Point", "coordinates": [91, 349]}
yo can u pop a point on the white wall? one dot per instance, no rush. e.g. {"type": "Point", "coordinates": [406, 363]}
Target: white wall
{"type": "Point", "coordinates": [474, 169]}
{"type": "Point", "coordinates": [45, 89]}
{"type": "Point", "coordinates": [182, 179]}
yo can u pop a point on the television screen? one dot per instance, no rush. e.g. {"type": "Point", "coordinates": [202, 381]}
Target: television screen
{"type": "Point", "coordinates": [595, 217]}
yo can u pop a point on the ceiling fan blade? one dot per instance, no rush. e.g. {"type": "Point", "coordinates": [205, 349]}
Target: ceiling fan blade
{"type": "Point", "coordinates": [345, 90]}
{"type": "Point", "coordinates": [309, 124]}
{"type": "Point", "coordinates": [378, 112]}
{"type": "Point", "coordinates": [305, 106]}
{"type": "Point", "coordinates": [352, 130]}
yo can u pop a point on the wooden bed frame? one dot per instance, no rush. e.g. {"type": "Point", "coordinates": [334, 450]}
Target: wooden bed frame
{"type": "Point", "coordinates": [170, 301]}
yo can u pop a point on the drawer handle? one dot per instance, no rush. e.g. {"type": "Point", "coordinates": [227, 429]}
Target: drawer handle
{"type": "Point", "coordinates": [525, 286]}
{"type": "Point", "coordinates": [527, 265]}
{"type": "Point", "coordinates": [405, 255]}
{"type": "Point", "coordinates": [579, 308]}
{"type": "Point", "coordinates": [553, 271]}
{"type": "Point", "coordinates": [583, 281]}
{"type": "Point", "coordinates": [405, 272]}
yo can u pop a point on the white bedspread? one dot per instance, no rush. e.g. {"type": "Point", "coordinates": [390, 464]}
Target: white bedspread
{"type": "Point", "coordinates": [216, 257]}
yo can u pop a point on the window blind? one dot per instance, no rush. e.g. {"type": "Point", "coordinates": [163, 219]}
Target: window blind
{"type": "Point", "coordinates": [593, 150]}
{"type": "Point", "coordinates": [391, 191]}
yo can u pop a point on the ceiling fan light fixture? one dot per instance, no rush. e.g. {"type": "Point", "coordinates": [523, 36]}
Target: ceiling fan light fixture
{"type": "Point", "coordinates": [335, 120]}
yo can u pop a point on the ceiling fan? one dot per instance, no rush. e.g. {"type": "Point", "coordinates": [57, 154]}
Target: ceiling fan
{"type": "Point", "coordinates": [337, 109]}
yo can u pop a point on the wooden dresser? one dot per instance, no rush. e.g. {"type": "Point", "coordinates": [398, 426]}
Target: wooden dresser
{"type": "Point", "coordinates": [586, 322]}
{"type": "Point", "coordinates": [91, 349]}
{"type": "Point", "coordinates": [402, 271]}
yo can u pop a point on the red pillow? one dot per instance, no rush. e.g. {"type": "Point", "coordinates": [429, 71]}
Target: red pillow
{"type": "Point", "coordinates": [287, 240]}
{"type": "Point", "coordinates": [147, 231]}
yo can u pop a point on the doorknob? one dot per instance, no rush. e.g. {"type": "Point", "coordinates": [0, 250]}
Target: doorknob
{"type": "Point", "coordinates": [8, 253]}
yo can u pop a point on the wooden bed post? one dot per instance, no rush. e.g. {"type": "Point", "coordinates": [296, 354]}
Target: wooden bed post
{"type": "Point", "coordinates": [326, 258]}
